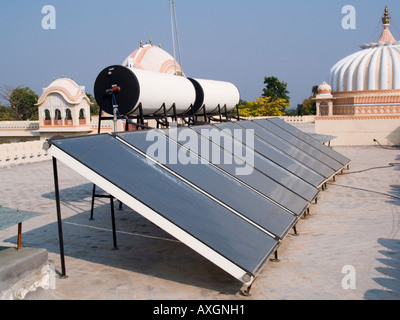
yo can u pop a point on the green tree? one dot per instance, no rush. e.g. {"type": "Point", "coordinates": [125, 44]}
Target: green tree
{"type": "Point", "coordinates": [291, 112]}
{"type": "Point", "coordinates": [276, 89]}
{"type": "Point", "coordinates": [263, 107]}
{"type": "Point", "coordinates": [94, 107]}
{"type": "Point", "coordinates": [308, 106]}
{"type": "Point", "coordinates": [6, 114]}
{"type": "Point", "coordinates": [22, 102]}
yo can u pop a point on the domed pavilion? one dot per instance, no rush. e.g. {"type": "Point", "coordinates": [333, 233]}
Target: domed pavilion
{"type": "Point", "coordinates": [64, 110]}
{"type": "Point", "coordinates": [363, 88]}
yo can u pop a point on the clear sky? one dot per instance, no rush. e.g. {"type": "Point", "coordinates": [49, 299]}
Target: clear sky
{"type": "Point", "coordinates": [231, 40]}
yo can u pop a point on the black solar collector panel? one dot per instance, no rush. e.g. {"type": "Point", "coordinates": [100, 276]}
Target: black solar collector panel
{"type": "Point", "coordinates": [281, 159]}
{"type": "Point", "coordinates": [310, 140]}
{"type": "Point", "coordinates": [229, 198]}
{"type": "Point", "coordinates": [280, 174]}
{"type": "Point", "coordinates": [188, 214]}
{"type": "Point", "coordinates": [289, 149]}
{"type": "Point", "coordinates": [295, 141]}
{"type": "Point", "coordinates": [254, 178]}
{"type": "Point", "coordinates": [226, 189]}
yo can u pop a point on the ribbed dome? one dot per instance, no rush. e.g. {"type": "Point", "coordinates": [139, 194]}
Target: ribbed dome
{"type": "Point", "coordinates": [152, 58]}
{"type": "Point", "coordinates": [376, 67]}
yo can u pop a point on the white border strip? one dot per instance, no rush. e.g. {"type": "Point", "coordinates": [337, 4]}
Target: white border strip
{"type": "Point", "coordinates": [153, 216]}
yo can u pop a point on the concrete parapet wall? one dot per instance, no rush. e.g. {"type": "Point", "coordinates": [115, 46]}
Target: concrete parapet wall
{"type": "Point", "coordinates": [360, 130]}
{"type": "Point", "coordinates": [289, 119]}
{"type": "Point", "coordinates": [22, 152]}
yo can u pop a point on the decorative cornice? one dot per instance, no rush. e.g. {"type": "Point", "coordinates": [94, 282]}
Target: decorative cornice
{"type": "Point", "coordinates": [381, 117]}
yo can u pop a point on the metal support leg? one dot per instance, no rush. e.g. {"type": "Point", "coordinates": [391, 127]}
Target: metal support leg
{"type": "Point", "coordinates": [93, 196]}
{"type": "Point", "coordinates": [113, 223]}
{"type": "Point", "coordinates": [246, 292]}
{"type": "Point", "coordinates": [275, 259]}
{"type": "Point", "coordinates": [59, 219]}
{"type": "Point", "coordinates": [295, 230]}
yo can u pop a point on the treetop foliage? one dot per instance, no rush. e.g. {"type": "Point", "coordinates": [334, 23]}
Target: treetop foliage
{"type": "Point", "coordinates": [273, 102]}
{"type": "Point", "coordinates": [263, 107]}
{"type": "Point", "coordinates": [22, 103]}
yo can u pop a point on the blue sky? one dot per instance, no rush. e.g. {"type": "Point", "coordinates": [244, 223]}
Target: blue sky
{"type": "Point", "coordinates": [231, 40]}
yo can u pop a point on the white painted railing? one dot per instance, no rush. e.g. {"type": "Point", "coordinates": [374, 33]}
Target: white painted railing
{"type": "Point", "coordinates": [22, 152]}
{"type": "Point", "coordinates": [19, 125]}
{"type": "Point", "coordinates": [299, 119]}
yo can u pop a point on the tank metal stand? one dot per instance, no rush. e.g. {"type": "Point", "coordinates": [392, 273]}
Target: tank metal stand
{"type": "Point", "coordinates": [112, 212]}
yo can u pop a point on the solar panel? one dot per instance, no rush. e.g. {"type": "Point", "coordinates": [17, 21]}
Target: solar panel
{"type": "Point", "coordinates": [288, 149]}
{"type": "Point", "coordinates": [230, 199]}
{"type": "Point", "coordinates": [280, 161]}
{"type": "Point", "coordinates": [256, 178]}
{"type": "Point", "coordinates": [317, 154]}
{"type": "Point", "coordinates": [207, 177]}
{"type": "Point", "coordinates": [310, 140]}
{"type": "Point", "coordinates": [219, 234]}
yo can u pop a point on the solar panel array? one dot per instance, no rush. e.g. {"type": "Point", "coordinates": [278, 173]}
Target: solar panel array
{"type": "Point", "coordinates": [235, 211]}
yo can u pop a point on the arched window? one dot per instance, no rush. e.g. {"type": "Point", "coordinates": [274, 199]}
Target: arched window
{"type": "Point", "coordinates": [68, 117]}
{"type": "Point", "coordinates": [58, 118]}
{"type": "Point", "coordinates": [47, 117]}
{"type": "Point", "coordinates": [82, 116]}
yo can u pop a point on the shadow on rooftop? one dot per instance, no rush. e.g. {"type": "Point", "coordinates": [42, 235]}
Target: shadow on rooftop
{"type": "Point", "coordinates": [395, 192]}
{"type": "Point", "coordinates": [390, 279]}
{"type": "Point", "coordinates": [143, 247]}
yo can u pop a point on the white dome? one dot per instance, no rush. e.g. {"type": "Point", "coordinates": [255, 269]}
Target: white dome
{"type": "Point", "coordinates": [71, 92]}
{"type": "Point", "coordinates": [376, 67]}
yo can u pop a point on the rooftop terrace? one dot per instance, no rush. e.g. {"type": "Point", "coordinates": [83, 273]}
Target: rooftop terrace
{"type": "Point", "coordinates": [355, 223]}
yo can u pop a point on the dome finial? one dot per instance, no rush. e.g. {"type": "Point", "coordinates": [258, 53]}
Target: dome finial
{"type": "Point", "coordinates": [386, 18]}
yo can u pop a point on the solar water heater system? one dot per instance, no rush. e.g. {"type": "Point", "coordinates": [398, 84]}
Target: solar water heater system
{"type": "Point", "coordinates": [235, 220]}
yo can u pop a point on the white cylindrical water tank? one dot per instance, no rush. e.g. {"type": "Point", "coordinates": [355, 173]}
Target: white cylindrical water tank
{"type": "Point", "coordinates": [130, 88]}
{"type": "Point", "coordinates": [212, 94]}
{"type": "Point", "coordinates": [158, 89]}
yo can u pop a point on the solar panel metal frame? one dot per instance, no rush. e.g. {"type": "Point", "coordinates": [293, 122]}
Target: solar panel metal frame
{"type": "Point", "coordinates": [242, 274]}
